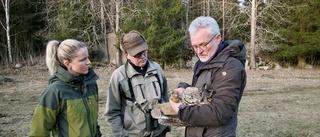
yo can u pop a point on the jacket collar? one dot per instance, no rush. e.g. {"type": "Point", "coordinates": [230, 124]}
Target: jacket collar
{"type": "Point", "coordinates": [65, 76]}
{"type": "Point", "coordinates": [233, 48]}
{"type": "Point", "coordinates": [131, 72]}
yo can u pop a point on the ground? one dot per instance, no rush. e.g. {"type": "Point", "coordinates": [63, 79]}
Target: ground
{"type": "Point", "coordinates": [275, 102]}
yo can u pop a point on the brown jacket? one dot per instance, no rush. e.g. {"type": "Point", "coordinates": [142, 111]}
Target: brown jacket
{"type": "Point", "coordinates": [224, 79]}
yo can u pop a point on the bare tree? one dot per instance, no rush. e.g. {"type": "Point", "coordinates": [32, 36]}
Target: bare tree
{"type": "Point", "coordinates": [110, 14]}
{"type": "Point", "coordinates": [93, 27]}
{"type": "Point", "coordinates": [5, 5]}
{"type": "Point", "coordinates": [253, 34]}
{"type": "Point", "coordinates": [254, 14]}
{"type": "Point", "coordinates": [223, 19]}
{"type": "Point", "coordinates": [104, 28]}
{"type": "Point", "coordinates": [119, 60]}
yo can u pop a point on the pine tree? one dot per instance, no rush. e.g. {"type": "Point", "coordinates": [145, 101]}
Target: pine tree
{"type": "Point", "coordinates": [161, 22]}
{"type": "Point", "coordinates": [301, 44]}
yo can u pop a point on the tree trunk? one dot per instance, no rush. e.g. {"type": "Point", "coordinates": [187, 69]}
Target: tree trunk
{"type": "Point", "coordinates": [96, 44]}
{"type": "Point", "coordinates": [104, 30]}
{"type": "Point", "coordinates": [223, 17]}
{"type": "Point", "coordinates": [8, 30]}
{"type": "Point", "coordinates": [208, 7]}
{"type": "Point", "coordinates": [253, 34]}
{"type": "Point", "coordinates": [301, 62]}
{"type": "Point", "coordinates": [119, 60]}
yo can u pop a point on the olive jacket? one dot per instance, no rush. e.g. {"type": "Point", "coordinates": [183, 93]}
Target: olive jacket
{"type": "Point", "coordinates": [124, 117]}
{"type": "Point", "coordinates": [223, 79]}
{"type": "Point", "coordinates": [68, 107]}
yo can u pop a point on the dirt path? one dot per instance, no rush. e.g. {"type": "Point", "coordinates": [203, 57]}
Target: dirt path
{"type": "Point", "coordinates": [18, 99]}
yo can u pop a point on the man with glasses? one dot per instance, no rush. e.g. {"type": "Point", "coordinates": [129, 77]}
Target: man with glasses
{"type": "Point", "coordinates": [134, 89]}
{"type": "Point", "coordinates": [221, 77]}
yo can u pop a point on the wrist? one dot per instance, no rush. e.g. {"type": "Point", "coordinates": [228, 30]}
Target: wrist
{"type": "Point", "coordinates": [182, 106]}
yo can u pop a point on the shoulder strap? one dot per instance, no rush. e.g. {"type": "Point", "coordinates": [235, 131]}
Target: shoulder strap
{"type": "Point", "coordinates": [133, 98]}
{"type": "Point", "coordinates": [161, 89]}
{"type": "Point", "coordinates": [158, 79]}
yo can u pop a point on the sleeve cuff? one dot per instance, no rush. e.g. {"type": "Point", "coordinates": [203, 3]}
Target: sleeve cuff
{"type": "Point", "coordinates": [183, 85]}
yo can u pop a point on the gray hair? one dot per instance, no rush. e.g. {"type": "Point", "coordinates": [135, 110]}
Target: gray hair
{"type": "Point", "coordinates": [207, 22]}
{"type": "Point", "coordinates": [57, 52]}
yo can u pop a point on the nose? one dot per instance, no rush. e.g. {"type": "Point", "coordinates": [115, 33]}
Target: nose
{"type": "Point", "coordinates": [198, 50]}
{"type": "Point", "coordinates": [88, 62]}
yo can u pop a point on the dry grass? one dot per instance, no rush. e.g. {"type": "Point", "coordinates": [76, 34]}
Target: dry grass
{"type": "Point", "coordinates": [276, 102]}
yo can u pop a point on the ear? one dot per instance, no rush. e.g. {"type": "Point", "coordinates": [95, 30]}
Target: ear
{"type": "Point", "coordinates": [218, 38]}
{"type": "Point", "coordinates": [125, 54]}
{"type": "Point", "coordinates": [66, 63]}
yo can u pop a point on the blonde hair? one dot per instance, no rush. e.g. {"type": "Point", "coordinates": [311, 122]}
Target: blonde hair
{"type": "Point", "coordinates": [57, 52]}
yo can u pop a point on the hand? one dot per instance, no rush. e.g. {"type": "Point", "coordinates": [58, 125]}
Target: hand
{"type": "Point", "coordinates": [175, 106]}
{"type": "Point", "coordinates": [179, 90]}
{"type": "Point", "coordinates": [175, 94]}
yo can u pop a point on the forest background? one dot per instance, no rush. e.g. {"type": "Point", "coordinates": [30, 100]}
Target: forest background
{"type": "Point", "coordinates": [275, 32]}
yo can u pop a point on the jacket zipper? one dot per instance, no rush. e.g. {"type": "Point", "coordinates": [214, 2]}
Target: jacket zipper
{"type": "Point", "coordinates": [86, 100]}
{"type": "Point", "coordinates": [90, 103]}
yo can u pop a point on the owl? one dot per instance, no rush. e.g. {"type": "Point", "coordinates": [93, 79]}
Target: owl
{"type": "Point", "coordinates": [167, 116]}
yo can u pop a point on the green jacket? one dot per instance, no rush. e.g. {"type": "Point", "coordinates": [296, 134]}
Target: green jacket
{"type": "Point", "coordinates": [124, 117]}
{"type": "Point", "coordinates": [68, 107]}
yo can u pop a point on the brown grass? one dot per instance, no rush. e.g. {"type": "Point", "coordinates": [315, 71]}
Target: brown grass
{"type": "Point", "coordinates": [275, 103]}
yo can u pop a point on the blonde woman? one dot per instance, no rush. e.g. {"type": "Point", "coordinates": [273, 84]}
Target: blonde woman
{"type": "Point", "coordinates": [69, 104]}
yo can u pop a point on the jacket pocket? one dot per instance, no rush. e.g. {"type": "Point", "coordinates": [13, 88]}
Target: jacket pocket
{"type": "Point", "coordinates": [139, 90]}
{"type": "Point", "coordinates": [153, 87]}
{"type": "Point", "coordinates": [133, 117]}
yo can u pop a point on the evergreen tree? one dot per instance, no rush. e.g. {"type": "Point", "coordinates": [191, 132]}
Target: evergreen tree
{"type": "Point", "coordinates": [161, 22]}
{"type": "Point", "coordinates": [301, 44]}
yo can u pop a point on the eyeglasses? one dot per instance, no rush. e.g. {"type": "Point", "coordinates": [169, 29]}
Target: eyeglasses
{"type": "Point", "coordinates": [145, 52]}
{"type": "Point", "coordinates": [203, 46]}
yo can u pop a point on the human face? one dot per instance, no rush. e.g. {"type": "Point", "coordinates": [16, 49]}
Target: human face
{"type": "Point", "coordinates": [139, 59]}
{"type": "Point", "coordinates": [80, 64]}
{"type": "Point", "coordinates": [204, 45]}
